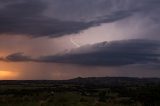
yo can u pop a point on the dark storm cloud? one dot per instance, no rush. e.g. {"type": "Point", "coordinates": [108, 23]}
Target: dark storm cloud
{"type": "Point", "coordinates": [115, 53]}
{"type": "Point", "coordinates": [89, 9]}
{"type": "Point", "coordinates": [26, 17]}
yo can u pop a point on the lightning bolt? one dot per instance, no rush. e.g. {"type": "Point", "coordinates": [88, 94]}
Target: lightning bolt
{"type": "Point", "coordinates": [74, 43]}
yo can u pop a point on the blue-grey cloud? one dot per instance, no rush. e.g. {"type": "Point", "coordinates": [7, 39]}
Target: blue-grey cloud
{"type": "Point", "coordinates": [115, 53]}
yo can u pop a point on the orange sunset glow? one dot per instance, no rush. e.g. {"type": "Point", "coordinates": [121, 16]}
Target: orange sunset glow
{"type": "Point", "coordinates": [5, 75]}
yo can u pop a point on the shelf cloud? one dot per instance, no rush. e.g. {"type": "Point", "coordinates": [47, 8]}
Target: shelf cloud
{"type": "Point", "coordinates": [116, 53]}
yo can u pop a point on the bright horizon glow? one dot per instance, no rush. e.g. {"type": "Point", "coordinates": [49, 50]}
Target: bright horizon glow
{"type": "Point", "coordinates": [6, 75]}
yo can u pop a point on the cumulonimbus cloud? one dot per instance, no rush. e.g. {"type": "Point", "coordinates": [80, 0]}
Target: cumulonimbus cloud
{"type": "Point", "coordinates": [115, 53]}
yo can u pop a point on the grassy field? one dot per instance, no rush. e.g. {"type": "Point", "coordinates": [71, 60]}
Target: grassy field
{"type": "Point", "coordinates": [70, 94]}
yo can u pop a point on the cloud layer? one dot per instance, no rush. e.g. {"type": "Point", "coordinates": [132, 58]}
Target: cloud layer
{"type": "Point", "coordinates": [26, 18]}
{"type": "Point", "coordinates": [115, 53]}
{"type": "Point", "coordinates": [56, 18]}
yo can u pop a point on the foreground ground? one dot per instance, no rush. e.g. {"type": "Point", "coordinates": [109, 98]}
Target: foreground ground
{"type": "Point", "coordinates": [81, 92]}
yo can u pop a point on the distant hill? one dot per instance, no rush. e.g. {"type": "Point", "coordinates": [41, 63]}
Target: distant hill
{"type": "Point", "coordinates": [102, 81]}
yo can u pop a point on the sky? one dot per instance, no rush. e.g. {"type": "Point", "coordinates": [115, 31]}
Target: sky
{"type": "Point", "coordinates": [64, 39]}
